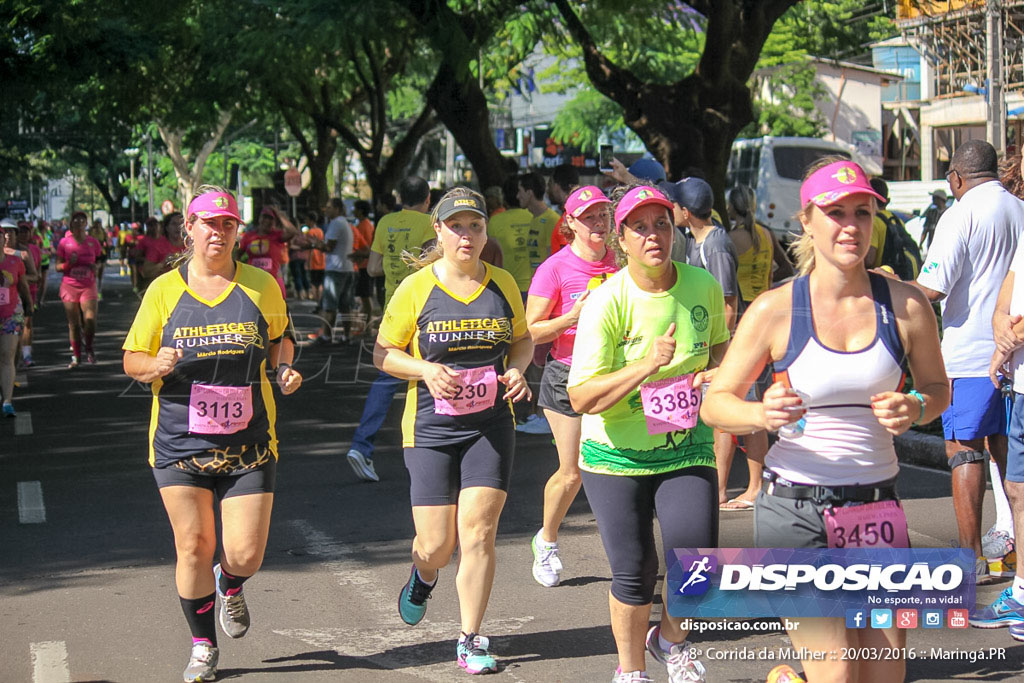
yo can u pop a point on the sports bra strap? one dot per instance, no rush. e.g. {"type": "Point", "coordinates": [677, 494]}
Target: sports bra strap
{"type": "Point", "coordinates": [801, 326]}
{"type": "Point", "coordinates": [885, 318]}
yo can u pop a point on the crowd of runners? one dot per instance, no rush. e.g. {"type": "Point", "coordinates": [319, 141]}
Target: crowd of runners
{"type": "Point", "coordinates": [650, 335]}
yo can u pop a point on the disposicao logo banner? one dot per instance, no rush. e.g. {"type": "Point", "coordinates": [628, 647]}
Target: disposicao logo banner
{"type": "Point", "coordinates": [801, 582]}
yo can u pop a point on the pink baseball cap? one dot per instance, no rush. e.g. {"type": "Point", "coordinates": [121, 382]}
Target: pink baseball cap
{"type": "Point", "coordinates": [829, 184]}
{"type": "Point", "coordinates": [582, 198]}
{"type": "Point", "coordinates": [637, 197]}
{"type": "Point", "coordinates": [212, 204]}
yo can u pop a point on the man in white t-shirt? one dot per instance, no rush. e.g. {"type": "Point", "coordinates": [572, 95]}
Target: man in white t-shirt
{"type": "Point", "coordinates": [339, 271]}
{"type": "Point", "coordinates": [1009, 355]}
{"type": "Point", "coordinates": [974, 243]}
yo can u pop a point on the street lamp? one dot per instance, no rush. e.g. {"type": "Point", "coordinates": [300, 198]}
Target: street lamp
{"type": "Point", "coordinates": [131, 153]}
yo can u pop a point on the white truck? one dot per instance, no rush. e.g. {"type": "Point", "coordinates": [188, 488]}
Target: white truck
{"type": "Point", "coordinates": [774, 167]}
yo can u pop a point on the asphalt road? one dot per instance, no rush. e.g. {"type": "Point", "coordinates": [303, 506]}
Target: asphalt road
{"type": "Point", "coordinates": [86, 570]}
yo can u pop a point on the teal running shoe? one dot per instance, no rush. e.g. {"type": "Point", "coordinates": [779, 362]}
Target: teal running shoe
{"type": "Point", "coordinates": [1005, 611]}
{"type": "Point", "coordinates": [412, 601]}
{"type": "Point", "coordinates": [473, 655]}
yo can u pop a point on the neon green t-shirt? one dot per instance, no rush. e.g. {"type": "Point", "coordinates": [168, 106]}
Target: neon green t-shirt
{"type": "Point", "coordinates": [617, 327]}
{"type": "Point", "coordinates": [404, 230]}
{"type": "Point", "coordinates": [512, 230]}
{"type": "Point", "coordinates": [540, 238]}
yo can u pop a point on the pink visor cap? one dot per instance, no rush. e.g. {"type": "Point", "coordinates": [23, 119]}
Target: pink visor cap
{"type": "Point", "coordinates": [829, 184]}
{"type": "Point", "coordinates": [212, 204]}
{"type": "Point", "coordinates": [582, 198]}
{"type": "Point", "coordinates": [637, 197]}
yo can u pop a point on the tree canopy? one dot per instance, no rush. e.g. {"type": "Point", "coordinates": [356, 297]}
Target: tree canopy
{"type": "Point", "coordinates": [94, 77]}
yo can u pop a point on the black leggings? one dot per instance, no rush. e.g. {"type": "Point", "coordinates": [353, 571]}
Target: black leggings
{"type": "Point", "coordinates": [686, 502]}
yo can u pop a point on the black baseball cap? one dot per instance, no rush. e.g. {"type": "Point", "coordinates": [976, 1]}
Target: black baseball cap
{"type": "Point", "coordinates": [449, 206]}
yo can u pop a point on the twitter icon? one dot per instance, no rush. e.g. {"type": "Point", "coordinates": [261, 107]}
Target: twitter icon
{"type": "Point", "coordinates": [881, 618]}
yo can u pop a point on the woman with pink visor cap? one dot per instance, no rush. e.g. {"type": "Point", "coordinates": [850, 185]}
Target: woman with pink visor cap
{"type": "Point", "coordinates": [558, 292]}
{"type": "Point", "coordinates": [77, 256]}
{"type": "Point", "coordinates": [838, 337]}
{"type": "Point", "coordinates": [205, 336]}
{"type": "Point", "coordinates": [645, 342]}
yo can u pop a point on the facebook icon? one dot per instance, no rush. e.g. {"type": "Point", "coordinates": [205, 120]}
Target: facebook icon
{"type": "Point", "coordinates": [856, 618]}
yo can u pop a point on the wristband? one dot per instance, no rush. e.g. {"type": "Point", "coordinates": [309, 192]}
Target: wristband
{"type": "Point", "coordinates": [917, 394]}
{"type": "Point", "coordinates": [287, 366]}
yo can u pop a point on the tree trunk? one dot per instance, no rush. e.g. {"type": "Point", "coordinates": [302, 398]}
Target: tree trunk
{"type": "Point", "coordinates": [462, 107]}
{"type": "Point", "coordinates": [693, 122]}
{"type": "Point", "coordinates": [190, 173]}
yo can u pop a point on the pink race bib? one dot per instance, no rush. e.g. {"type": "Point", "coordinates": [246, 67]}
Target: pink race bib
{"type": "Point", "coordinates": [81, 272]}
{"type": "Point", "coordinates": [5, 296]}
{"type": "Point", "coordinates": [219, 410]}
{"type": "Point", "coordinates": [874, 525]}
{"type": "Point", "coordinates": [477, 390]}
{"type": "Point", "coordinates": [670, 404]}
{"type": "Point", "coordinates": [263, 263]}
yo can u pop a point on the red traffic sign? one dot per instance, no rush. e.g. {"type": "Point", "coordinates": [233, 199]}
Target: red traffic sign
{"type": "Point", "coordinates": [167, 207]}
{"type": "Point", "coordinates": [293, 182]}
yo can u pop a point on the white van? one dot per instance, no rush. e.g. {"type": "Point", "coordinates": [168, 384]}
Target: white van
{"type": "Point", "coordinates": [774, 167]}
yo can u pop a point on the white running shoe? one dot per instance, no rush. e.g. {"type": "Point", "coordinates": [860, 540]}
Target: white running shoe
{"type": "Point", "coordinates": [631, 677]}
{"type": "Point", "coordinates": [683, 666]}
{"type": "Point", "coordinates": [362, 466]}
{"type": "Point", "coordinates": [535, 424]}
{"type": "Point", "coordinates": [234, 613]}
{"type": "Point", "coordinates": [996, 543]}
{"type": "Point", "coordinates": [202, 663]}
{"type": "Point", "coordinates": [547, 567]}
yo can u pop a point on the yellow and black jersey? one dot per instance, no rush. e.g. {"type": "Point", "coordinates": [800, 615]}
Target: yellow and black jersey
{"type": "Point", "coordinates": [218, 394]}
{"type": "Point", "coordinates": [462, 333]}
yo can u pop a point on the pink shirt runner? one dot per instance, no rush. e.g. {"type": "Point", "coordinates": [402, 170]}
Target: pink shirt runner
{"type": "Point", "coordinates": [37, 259]}
{"type": "Point", "coordinates": [81, 273]}
{"type": "Point", "coordinates": [563, 278]}
{"type": "Point", "coordinates": [12, 270]}
{"type": "Point", "coordinates": [265, 252]}
{"type": "Point", "coordinates": [157, 250]}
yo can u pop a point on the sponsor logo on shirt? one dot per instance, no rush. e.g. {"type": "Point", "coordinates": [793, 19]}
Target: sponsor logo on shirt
{"type": "Point", "coordinates": [700, 346]}
{"type": "Point", "coordinates": [629, 341]}
{"type": "Point", "coordinates": [243, 334]}
{"type": "Point", "coordinates": [930, 266]}
{"type": "Point", "coordinates": [699, 318]}
{"type": "Point", "coordinates": [490, 330]}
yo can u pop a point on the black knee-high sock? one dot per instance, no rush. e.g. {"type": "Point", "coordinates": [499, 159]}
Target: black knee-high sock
{"type": "Point", "coordinates": [199, 613]}
{"type": "Point", "coordinates": [230, 585]}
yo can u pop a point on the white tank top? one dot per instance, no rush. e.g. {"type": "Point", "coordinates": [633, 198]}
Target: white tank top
{"type": "Point", "coordinates": [842, 444]}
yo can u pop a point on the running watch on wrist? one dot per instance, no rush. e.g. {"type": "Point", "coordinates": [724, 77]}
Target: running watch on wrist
{"type": "Point", "coordinates": [917, 394]}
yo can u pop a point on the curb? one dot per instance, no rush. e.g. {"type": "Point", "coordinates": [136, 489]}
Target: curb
{"type": "Point", "coordinates": [926, 450]}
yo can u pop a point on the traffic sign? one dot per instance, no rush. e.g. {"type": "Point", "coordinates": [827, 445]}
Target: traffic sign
{"type": "Point", "coordinates": [293, 182]}
{"type": "Point", "coordinates": [167, 207]}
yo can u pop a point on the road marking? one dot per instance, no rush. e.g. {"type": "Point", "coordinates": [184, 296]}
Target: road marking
{"type": "Point", "coordinates": [21, 381]}
{"type": "Point", "coordinates": [30, 503]}
{"type": "Point", "coordinates": [397, 649]}
{"type": "Point", "coordinates": [23, 424]}
{"type": "Point", "coordinates": [50, 662]}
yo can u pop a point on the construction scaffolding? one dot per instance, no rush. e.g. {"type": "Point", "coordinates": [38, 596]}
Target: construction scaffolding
{"type": "Point", "coordinates": [952, 37]}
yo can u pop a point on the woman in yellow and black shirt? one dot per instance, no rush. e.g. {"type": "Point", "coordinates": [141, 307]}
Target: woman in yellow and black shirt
{"type": "Point", "coordinates": [456, 330]}
{"type": "Point", "coordinates": [203, 337]}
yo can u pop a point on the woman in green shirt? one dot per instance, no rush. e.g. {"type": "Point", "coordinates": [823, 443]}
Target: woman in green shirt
{"type": "Point", "coordinates": [644, 343]}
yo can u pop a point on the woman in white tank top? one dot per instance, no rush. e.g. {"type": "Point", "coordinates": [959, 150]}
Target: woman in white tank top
{"type": "Point", "coordinates": [839, 336]}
